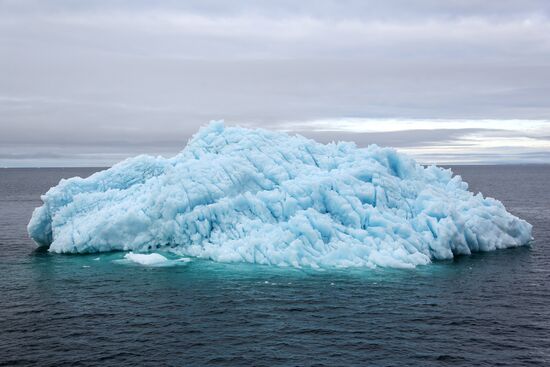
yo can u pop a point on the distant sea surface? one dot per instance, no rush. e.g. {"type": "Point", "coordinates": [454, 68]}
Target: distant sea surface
{"type": "Point", "coordinates": [488, 309]}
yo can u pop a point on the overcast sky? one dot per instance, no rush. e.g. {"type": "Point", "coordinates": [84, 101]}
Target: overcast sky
{"type": "Point", "coordinates": [92, 82]}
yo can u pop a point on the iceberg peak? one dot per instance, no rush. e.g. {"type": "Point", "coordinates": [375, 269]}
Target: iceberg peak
{"type": "Point", "coordinates": [258, 196]}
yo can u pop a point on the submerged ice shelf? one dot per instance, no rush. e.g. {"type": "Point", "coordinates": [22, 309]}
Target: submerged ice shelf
{"type": "Point", "coordinates": [241, 195]}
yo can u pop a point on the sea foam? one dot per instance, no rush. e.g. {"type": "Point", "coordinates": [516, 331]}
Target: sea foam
{"type": "Point", "coordinates": [257, 196]}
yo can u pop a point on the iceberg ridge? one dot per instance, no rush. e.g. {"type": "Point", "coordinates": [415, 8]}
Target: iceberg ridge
{"type": "Point", "coordinates": [241, 195]}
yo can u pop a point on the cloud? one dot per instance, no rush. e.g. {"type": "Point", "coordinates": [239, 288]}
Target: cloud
{"type": "Point", "coordinates": [131, 74]}
{"type": "Point", "coordinates": [442, 141]}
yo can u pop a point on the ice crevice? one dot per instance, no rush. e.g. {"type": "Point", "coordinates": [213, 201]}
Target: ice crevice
{"type": "Point", "coordinates": [242, 195]}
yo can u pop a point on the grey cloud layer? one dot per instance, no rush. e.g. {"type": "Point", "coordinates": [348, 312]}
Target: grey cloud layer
{"type": "Point", "coordinates": [137, 76]}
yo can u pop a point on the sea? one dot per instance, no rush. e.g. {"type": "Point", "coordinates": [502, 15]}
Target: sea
{"type": "Point", "coordinates": [488, 309]}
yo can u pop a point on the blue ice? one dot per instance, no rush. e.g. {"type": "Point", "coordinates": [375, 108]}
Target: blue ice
{"type": "Point", "coordinates": [257, 196]}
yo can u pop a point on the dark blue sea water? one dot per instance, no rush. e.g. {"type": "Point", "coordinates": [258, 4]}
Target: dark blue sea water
{"type": "Point", "coordinates": [485, 310]}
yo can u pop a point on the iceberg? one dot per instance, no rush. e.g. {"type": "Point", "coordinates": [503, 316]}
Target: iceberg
{"type": "Point", "coordinates": [241, 195]}
{"type": "Point", "coordinates": [151, 260]}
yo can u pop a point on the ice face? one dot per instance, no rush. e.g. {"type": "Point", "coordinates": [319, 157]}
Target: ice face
{"type": "Point", "coordinates": [240, 195]}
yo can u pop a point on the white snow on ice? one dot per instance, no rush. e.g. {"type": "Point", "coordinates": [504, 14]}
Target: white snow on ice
{"type": "Point", "coordinates": [240, 195]}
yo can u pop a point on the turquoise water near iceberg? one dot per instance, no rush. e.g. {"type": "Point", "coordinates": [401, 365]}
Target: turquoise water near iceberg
{"type": "Point", "coordinates": [484, 309]}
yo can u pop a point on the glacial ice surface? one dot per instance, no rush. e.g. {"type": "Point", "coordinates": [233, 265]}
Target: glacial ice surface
{"type": "Point", "coordinates": [241, 195]}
